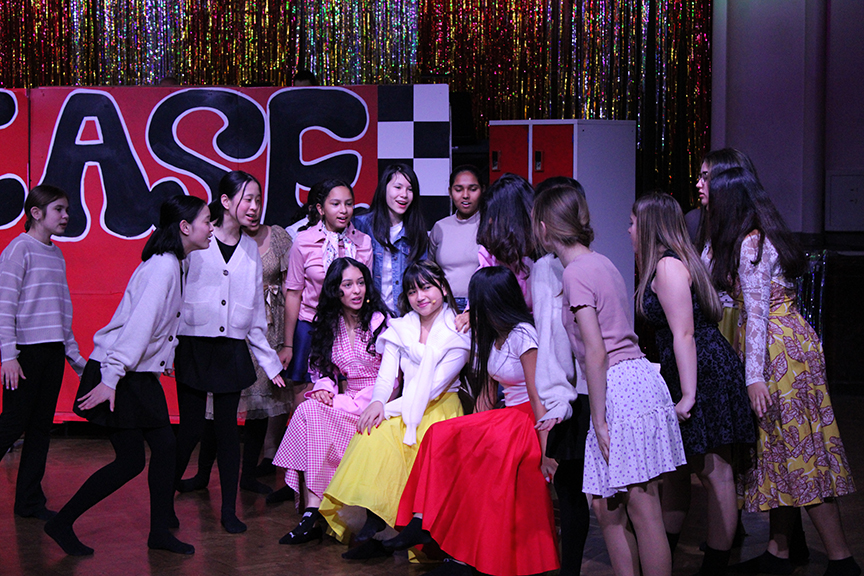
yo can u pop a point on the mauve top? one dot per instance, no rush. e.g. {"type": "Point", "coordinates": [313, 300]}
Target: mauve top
{"type": "Point", "coordinates": [592, 280]}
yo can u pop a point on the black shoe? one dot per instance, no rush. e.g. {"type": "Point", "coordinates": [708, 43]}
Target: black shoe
{"type": "Point", "coordinates": [65, 537]}
{"type": "Point", "coordinates": [283, 494]}
{"type": "Point", "coordinates": [232, 524]}
{"type": "Point", "coordinates": [193, 484]}
{"type": "Point", "coordinates": [42, 513]}
{"type": "Point", "coordinates": [412, 535]}
{"type": "Point", "coordinates": [167, 541]}
{"type": "Point", "coordinates": [266, 468]}
{"type": "Point", "coordinates": [844, 567]}
{"type": "Point", "coordinates": [367, 550]}
{"type": "Point", "coordinates": [306, 530]}
{"type": "Point", "coordinates": [296, 537]}
{"type": "Point", "coordinates": [714, 563]}
{"type": "Point", "coordinates": [373, 525]}
{"type": "Point", "coordinates": [767, 563]}
{"type": "Point", "coordinates": [253, 485]}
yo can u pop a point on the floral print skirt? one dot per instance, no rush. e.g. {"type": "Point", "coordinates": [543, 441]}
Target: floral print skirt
{"type": "Point", "coordinates": [799, 458]}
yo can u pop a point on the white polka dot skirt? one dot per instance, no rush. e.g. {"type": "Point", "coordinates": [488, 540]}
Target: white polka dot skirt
{"type": "Point", "coordinates": [643, 431]}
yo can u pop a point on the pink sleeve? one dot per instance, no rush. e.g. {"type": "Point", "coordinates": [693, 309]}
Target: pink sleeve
{"type": "Point", "coordinates": [576, 292]}
{"type": "Point", "coordinates": [323, 384]}
{"type": "Point", "coordinates": [354, 405]}
{"type": "Point", "coordinates": [364, 253]}
{"type": "Point", "coordinates": [486, 259]}
{"type": "Point", "coordinates": [377, 319]}
{"type": "Point", "coordinates": [524, 281]}
{"type": "Point", "coordinates": [295, 278]}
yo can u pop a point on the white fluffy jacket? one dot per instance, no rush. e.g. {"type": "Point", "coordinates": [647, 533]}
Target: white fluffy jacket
{"type": "Point", "coordinates": [558, 378]}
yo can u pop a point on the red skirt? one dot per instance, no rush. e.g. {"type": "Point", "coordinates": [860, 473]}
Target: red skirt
{"type": "Point", "coordinates": [478, 484]}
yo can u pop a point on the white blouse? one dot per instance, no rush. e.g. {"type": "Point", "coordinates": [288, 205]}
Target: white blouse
{"type": "Point", "coordinates": [755, 281]}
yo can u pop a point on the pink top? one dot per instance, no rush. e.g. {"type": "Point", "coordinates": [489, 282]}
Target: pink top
{"type": "Point", "coordinates": [592, 280]}
{"type": "Point", "coordinates": [487, 259]}
{"type": "Point", "coordinates": [359, 367]}
{"type": "Point", "coordinates": [306, 264]}
{"type": "Point", "coordinates": [505, 364]}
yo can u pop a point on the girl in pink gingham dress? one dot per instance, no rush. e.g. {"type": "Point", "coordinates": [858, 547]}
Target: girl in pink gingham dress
{"type": "Point", "coordinates": [323, 425]}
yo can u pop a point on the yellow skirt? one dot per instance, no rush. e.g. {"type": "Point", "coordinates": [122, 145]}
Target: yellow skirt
{"type": "Point", "coordinates": [729, 325]}
{"type": "Point", "coordinates": [375, 468]}
{"type": "Point", "coordinates": [799, 459]}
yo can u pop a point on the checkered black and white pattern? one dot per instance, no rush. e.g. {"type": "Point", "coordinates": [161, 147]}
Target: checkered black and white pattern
{"type": "Point", "coordinates": [414, 128]}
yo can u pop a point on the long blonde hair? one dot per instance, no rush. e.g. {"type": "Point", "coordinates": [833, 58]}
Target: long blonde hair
{"type": "Point", "coordinates": [659, 227]}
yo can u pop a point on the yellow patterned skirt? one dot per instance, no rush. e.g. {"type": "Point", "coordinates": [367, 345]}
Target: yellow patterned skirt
{"type": "Point", "coordinates": [375, 468]}
{"type": "Point", "coordinates": [799, 458]}
{"type": "Point", "coordinates": [729, 324]}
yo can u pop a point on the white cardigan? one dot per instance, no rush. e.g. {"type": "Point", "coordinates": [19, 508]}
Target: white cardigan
{"type": "Point", "coordinates": [228, 300]}
{"type": "Point", "coordinates": [141, 335]}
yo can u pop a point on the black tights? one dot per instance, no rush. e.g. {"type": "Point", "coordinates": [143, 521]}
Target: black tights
{"type": "Point", "coordinates": [574, 515]}
{"type": "Point", "coordinates": [192, 404]}
{"type": "Point", "coordinates": [254, 433]}
{"type": "Point", "coordinates": [128, 462]}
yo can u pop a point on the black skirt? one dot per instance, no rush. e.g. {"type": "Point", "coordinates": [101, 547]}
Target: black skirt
{"type": "Point", "coordinates": [219, 365]}
{"type": "Point", "coordinates": [566, 440]}
{"type": "Point", "coordinates": [139, 401]}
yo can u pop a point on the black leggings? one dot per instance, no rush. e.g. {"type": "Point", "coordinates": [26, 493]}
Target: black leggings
{"type": "Point", "coordinates": [572, 502]}
{"type": "Point", "coordinates": [29, 410]}
{"type": "Point", "coordinates": [192, 404]}
{"type": "Point", "coordinates": [254, 433]}
{"type": "Point", "coordinates": [574, 515]}
{"type": "Point", "coordinates": [128, 462]}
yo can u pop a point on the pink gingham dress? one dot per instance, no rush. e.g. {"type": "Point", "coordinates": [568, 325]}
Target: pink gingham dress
{"type": "Point", "coordinates": [318, 434]}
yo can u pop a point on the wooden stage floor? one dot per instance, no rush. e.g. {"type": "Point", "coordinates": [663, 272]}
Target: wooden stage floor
{"type": "Point", "coordinates": [117, 528]}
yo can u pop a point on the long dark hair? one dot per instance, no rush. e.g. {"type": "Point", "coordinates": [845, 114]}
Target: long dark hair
{"type": "Point", "coordinates": [497, 307]}
{"type": "Point", "coordinates": [40, 197]}
{"type": "Point", "coordinates": [325, 325]}
{"type": "Point", "coordinates": [719, 161]}
{"type": "Point", "coordinates": [413, 221]}
{"type": "Point", "coordinates": [308, 210]}
{"type": "Point", "coordinates": [166, 236]}
{"type": "Point", "coordinates": [505, 221]}
{"type": "Point", "coordinates": [230, 185]}
{"type": "Point", "coordinates": [425, 272]}
{"type": "Point", "coordinates": [739, 205]}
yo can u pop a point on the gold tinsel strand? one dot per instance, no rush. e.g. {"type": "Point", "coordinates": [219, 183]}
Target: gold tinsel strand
{"type": "Point", "coordinates": [645, 60]}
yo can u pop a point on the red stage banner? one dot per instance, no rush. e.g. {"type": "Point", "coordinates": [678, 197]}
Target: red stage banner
{"type": "Point", "coordinates": [120, 151]}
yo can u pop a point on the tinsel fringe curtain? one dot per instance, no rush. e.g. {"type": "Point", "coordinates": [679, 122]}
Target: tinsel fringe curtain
{"type": "Point", "coordinates": [643, 60]}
